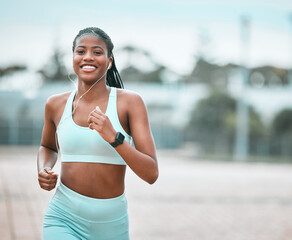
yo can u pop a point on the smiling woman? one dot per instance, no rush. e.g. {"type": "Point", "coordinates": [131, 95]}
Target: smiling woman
{"type": "Point", "coordinates": [92, 128]}
{"type": "Point", "coordinates": [90, 56]}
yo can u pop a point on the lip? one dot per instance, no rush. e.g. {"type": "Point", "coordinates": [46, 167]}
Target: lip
{"type": "Point", "coordinates": [88, 67]}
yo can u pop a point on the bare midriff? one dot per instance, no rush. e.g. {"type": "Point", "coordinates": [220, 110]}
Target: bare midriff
{"type": "Point", "coordinates": [96, 180]}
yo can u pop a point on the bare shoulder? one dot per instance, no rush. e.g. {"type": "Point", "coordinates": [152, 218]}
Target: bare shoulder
{"type": "Point", "coordinates": [129, 97]}
{"type": "Point", "coordinates": [58, 100]}
{"type": "Point", "coordinates": [133, 105]}
{"type": "Point", "coordinates": [55, 106]}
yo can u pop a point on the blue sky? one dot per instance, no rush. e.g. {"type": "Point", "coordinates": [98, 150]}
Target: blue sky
{"type": "Point", "coordinates": [174, 31]}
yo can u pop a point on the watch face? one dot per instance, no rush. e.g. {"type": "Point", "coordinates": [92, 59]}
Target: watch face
{"type": "Point", "coordinates": [120, 138]}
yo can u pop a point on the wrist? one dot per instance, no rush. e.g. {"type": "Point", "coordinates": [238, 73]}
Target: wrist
{"type": "Point", "coordinates": [113, 137]}
{"type": "Point", "coordinates": [119, 139]}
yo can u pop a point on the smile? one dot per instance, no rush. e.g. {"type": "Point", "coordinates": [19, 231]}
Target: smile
{"type": "Point", "coordinates": [88, 67]}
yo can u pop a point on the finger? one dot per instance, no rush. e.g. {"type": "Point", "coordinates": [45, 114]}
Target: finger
{"type": "Point", "coordinates": [96, 118]}
{"type": "Point", "coordinates": [91, 126]}
{"type": "Point", "coordinates": [94, 126]}
{"type": "Point", "coordinates": [47, 169]}
{"type": "Point", "coordinates": [48, 187]}
{"type": "Point", "coordinates": [44, 174]}
{"type": "Point", "coordinates": [98, 109]}
{"type": "Point", "coordinates": [93, 117]}
{"type": "Point", "coordinates": [97, 123]}
{"type": "Point", "coordinates": [48, 180]}
{"type": "Point", "coordinates": [97, 114]}
{"type": "Point", "coordinates": [44, 180]}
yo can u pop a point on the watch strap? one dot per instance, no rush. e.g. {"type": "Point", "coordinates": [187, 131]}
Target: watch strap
{"type": "Point", "coordinates": [119, 140]}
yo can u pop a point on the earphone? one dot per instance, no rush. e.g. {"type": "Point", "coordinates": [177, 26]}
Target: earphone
{"type": "Point", "coordinates": [109, 65]}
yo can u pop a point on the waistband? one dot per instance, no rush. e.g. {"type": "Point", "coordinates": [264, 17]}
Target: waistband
{"type": "Point", "coordinates": [72, 203]}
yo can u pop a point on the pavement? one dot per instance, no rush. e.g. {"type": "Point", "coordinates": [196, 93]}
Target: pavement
{"type": "Point", "coordinates": [192, 199]}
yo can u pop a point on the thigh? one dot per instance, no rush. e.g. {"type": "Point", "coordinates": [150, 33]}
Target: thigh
{"type": "Point", "coordinates": [58, 232]}
{"type": "Point", "coordinates": [111, 230]}
{"type": "Point", "coordinates": [60, 225]}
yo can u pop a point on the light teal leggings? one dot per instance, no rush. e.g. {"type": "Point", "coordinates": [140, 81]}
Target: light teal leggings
{"type": "Point", "coordinates": [72, 216]}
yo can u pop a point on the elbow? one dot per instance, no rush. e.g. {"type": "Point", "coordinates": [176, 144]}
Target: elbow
{"type": "Point", "coordinates": [151, 180]}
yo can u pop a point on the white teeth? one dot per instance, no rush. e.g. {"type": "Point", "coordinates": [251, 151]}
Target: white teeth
{"type": "Point", "coordinates": [88, 67]}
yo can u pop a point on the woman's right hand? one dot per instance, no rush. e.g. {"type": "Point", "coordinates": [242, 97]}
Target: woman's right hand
{"type": "Point", "coordinates": [47, 179]}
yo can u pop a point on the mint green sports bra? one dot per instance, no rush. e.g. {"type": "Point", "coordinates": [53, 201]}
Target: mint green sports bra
{"type": "Point", "coordinates": [81, 144]}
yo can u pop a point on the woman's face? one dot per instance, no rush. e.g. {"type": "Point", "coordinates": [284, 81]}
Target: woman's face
{"type": "Point", "coordinates": [90, 58]}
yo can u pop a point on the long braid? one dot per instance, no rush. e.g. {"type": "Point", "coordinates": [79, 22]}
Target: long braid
{"type": "Point", "coordinates": [113, 78]}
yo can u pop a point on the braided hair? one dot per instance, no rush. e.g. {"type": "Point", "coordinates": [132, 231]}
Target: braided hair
{"type": "Point", "coordinates": [113, 78]}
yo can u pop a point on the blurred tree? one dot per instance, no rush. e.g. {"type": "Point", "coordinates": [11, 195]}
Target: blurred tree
{"type": "Point", "coordinates": [11, 69]}
{"type": "Point", "coordinates": [213, 121]}
{"type": "Point", "coordinates": [132, 74]}
{"type": "Point", "coordinates": [54, 70]}
{"type": "Point", "coordinates": [269, 76]}
{"type": "Point", "coordinates": [282, 123]}
{"type": "Point", "coordinates": [154, 76]}
{"type": "Point", "coordinates": [215, 76]}
{"type": "Point", "coordinates": [281, 136]}
{"type": "Point", "coordinates": [132, 52]}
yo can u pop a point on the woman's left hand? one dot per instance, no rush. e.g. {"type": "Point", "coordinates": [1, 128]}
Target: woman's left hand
{"type": "Point", "coordinates": [100, 122]}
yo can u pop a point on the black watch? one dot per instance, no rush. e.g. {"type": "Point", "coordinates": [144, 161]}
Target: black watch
{"type": "Point", "coordinates": [119, 140]}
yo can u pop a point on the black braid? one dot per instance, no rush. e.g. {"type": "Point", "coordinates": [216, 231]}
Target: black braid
{"type": "Point", "coordinates": [113, 78]}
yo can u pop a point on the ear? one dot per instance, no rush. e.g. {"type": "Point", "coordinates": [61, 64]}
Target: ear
{"type": "Point", "coordinates": [110, 63]}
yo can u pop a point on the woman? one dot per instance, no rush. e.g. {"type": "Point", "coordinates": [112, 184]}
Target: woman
{"type": "Point", "coordinates": [92, 128]}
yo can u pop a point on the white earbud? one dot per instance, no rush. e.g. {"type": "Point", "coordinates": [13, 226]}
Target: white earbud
{"type": "Point", "coordinates": [109, 66]}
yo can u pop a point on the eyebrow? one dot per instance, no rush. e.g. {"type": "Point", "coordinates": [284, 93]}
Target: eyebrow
{"type": "Point", "coordinates": [93, 47]}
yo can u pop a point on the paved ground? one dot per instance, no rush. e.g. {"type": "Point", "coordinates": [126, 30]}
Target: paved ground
{"type": "Point", "coordinates": [192, 200]}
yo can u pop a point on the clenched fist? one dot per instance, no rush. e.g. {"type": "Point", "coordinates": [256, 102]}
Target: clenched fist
{"type": "Point", "coordinates": [47, 179]}
{"type": "Point", "coordinates": [100, 122]}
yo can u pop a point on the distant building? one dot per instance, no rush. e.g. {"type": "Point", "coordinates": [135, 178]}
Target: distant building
{"type": "Point", "coordinates": [219, 76]}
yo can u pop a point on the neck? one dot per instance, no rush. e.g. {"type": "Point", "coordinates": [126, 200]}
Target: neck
{"type": "Point", "coordinates": [90, 91]}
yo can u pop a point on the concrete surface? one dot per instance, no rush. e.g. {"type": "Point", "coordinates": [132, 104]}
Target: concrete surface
{"type": "Point", "coordinates": [192, 200]}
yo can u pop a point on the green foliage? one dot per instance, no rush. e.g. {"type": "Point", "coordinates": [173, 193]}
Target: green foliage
{"type": "Point", "coordinates": [213, 115]}
{"type": "Point", "coordinates": [11, 69]}
{"type": "Point", "coordinates": [282, 123]}
{"type": "Point", "coordinates": [213, 123]}
{"type": "Point", "coordinates": [132, 74]}
{"type": "Point", "coordinates": [281, 133]}
{"type": "Point", "coordinates": [54, 70]}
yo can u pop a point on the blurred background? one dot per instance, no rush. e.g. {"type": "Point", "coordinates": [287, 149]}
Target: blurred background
{"type": "Point", "coordinates": [216, 76]}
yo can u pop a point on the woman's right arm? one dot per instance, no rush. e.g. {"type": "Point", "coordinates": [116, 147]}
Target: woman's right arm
{"type": "Point", "coordinates": [48, 154]}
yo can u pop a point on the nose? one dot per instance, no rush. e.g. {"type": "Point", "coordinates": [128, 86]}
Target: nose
{"type": "Point", "coordinates": [88, 56]}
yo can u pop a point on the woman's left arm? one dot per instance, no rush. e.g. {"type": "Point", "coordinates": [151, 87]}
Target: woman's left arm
{"type": "Point", "coordinates": [141, 158]}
